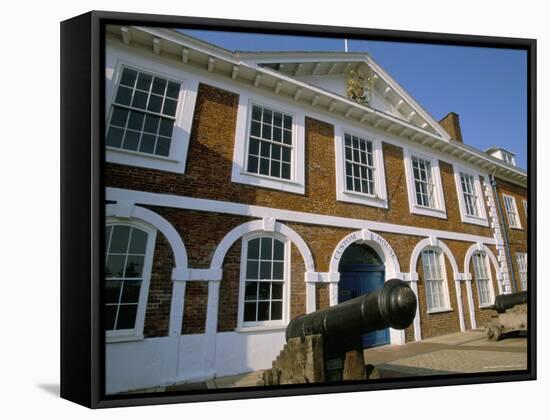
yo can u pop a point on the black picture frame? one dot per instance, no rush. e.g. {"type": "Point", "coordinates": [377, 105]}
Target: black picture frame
{"type": "Point", "coordinates": [83, 214]}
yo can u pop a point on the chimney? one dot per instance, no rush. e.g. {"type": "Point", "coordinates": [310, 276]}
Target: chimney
{"type": "Point", "coordinates": [451, 124]}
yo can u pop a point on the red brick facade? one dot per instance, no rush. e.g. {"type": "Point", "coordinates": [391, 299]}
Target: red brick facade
{"type": "Point", "coordinates": [208, 176]}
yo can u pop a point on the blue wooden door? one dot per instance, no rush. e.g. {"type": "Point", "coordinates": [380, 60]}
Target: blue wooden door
{"type": "Point", "coordinates": [357, 280]}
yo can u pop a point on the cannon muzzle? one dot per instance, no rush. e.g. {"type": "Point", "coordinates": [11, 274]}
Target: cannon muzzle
{"type": "Point", "coordinates": [393, 305]}
{"type": "Point", "coordinates": [504, 302]}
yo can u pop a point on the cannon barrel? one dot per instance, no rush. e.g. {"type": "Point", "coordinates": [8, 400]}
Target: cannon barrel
{"type": "Point", "coordinates": [393, 305]}
{"type": "Point", "coordinates": [503, 302]}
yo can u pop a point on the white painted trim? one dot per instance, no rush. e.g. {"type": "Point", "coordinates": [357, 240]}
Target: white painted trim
{"type": "Point", "coordinates": [258, 226]}
{"type": "Point", "coordinates": [416, 322]}
{"type": "Point", "coordinates": [224, 207]}
{"type": "Point", "coordinates": [136, 333]}
{"type": "Point", "coordinates": [439, 209]}
{"type": "Point", "coordinates": [482, 219]}
{"type": "Point", "coordinates": [471, 305]}
{"type": "Point", "coordinates": [239, 173]}
{"type": "Point", "coordinates": [379, 199]}
{"type": "Point", "coordinates": [480, 247]}
{"type": "Point", "coordinates": [116, 58]}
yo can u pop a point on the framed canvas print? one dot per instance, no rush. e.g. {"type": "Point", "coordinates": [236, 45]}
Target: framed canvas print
{"type": "Point", "coordinates": [255, 209]}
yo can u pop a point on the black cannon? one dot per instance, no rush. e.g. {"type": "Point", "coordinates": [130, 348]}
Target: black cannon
{"type": "Point", "coordinates": [511, 318]}
{"type": "Point", "coordinates": [326, 345]}
{"type": "Point", "coordinates": [504, 302]}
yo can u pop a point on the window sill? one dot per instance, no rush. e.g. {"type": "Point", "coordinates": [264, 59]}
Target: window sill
{"type": "Point", "coordinates": [361, 198]}
{"type": "Point", "coordinates": [143, 160]}
{"type": "Point", "coordinates": [428, 211]}
{"type": "Point", "coordinates": [439, 311]}
{"type": "Point", "coordinates": [259, 328]}
{"type": "Point", "coordinates": [257, 180]}
{"type": "Point", "coordinates": [486, 306]}
{"type": "Point", "coordinates": [516, 228]}
{"type": "Point", "coordinates": [123, 338]}
{"type": "Point", "coordinates": [474, 220]}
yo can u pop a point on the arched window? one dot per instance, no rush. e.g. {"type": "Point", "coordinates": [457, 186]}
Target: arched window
{"type": "Point", "coordinates": [482, 274]}
{"type": "Point", "coordinates": [264, 279]}
{"type": "Point", "coordinates": [435, 280]}
{"type": "Point", "coordinates": [128, 259]}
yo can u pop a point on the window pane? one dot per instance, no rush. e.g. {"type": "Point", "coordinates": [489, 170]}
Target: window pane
{"type": "Point", "coordinates": [266, 253]}
{"type": "Point", "coordinates": [131, 140]}
{"type": "Point", "coordinates": [253, 164]}
{"type": "Point", "coordinates": [173, 90]}
{"type": "Point", "coordinates": [114, 137]}
{"type": "Point", "coordinates": [138, 242]}
{"type": "Point", "coordinates": [163, 146]}
{"type": "Point", "coordinates": [136, 120]}
{"type": "Point", "coordinates": [286, 154]}
{"type": "Point", "coordinates": [130, 291]}
{"type": "Point", "coordinates": [263, 311]}
{"type": "Point", "coordinates": [278, 250]}
{"type": "Point", "coordinates": [112, 291]}
{"type": "Point", "coordinates": [255, 129]}
{"type": "Point", "coordinates": [115, 266]}
{"type": "Point", "coordinates": [278, 270]}
{"type": "Point", "coordinates": [166, 127]}
{"type": "Point", "coordinates": [140, 100]}
{"type": "Point", "coordinates": [264, 290]}
{"type": "Point", "coordinates": [144, 81]}
{"type": "Point", "coordinates": [288, 122]}
{"type": "Point", "coordinates": [126, 317]}
{"type": "Point", "coordinates": [254, 249]}
{"type": "Point", "coordinates": [275, 169]}
{"type": "Point", "coordinates": [285, 172]}
{"type": "Point", "coordinates": [252, 269]}
{"type": "Point", "coordinates": [287, 136]}
{"type": "Point", "coordinates": [277, 134]}
{"type": "Point", "coordinates": [134, 266]}
{"type": "Point", "coordinates": [266, 131]}
{"type": "Point", "coordinates": [159, 86]}
{"type": "Point", "coordinates": [256, 113]}
{"type": "Point", "coordinates": [265, 270]}
{"type": "Point", "coordinates": [119, 240]}
{"type": "Point", "coordinates": [110, 316]}
{"type": "Point", "coordinates": [276, 310]}
{"type": "Point", "coordinates": [277, 290]}
{"type": "Point", "coordinates": [251, 290]}
{"type": "Point", "coordinates": [278, 119]}
{"type": "Point", "coordinates": [276, 152]}
{"type": "Point", "coordinates": [119, 116]}
{"type": "Point", "coordinates": [123, 96]}
{"type": "Point", "coordinates": [268, 115]}
{"type": "Point", "coordinates": [250, 311]}
{"type": "Point", "coordinates": [155, 103]}
{"type": "Point", "coordinates": [264, 149]}
{"type": "Point", "coordinates": [147, 144]}
{"type": "Point", "coordinates": [169, 107]}
{"type": "Point", "coordinates": [128, 77]}
{"type": "Point", "coordinates": [254, 148]}
{"type": "Point", "coordinates": [264, 166]}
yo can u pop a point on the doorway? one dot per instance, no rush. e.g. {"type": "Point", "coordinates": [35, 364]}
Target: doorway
{"type": "Point", "coordinates": [361, 272]}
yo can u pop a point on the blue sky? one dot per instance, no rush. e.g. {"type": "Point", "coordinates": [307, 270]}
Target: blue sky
{"type": "Point", "coordinates": [487, 87]}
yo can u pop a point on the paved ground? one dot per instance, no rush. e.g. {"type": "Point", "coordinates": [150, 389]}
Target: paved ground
{"type": "Point", "coordinates": [467, 352]}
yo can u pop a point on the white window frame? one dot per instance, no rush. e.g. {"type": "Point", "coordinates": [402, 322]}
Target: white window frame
{"type": "Point", "coordinates": [481, 219]}
{"type": "Point", "coordinates": [525, 209]}
{"type": "Point", "coordinates": [119, 57]}
{"type": "Point", "coordinates": [379, 198]}
{"type": "Point", "coordinates": [264, 325]}
{"type": "Point", "coordinates": [441, 259]}
{"type": "Point", "coordinates": [514, 223]}
{"type": "Point", "coordinates": [491, 290]}
{"type": "Point", "coordinates": [239, 173]}
{"type": "Point", "coordinates": [439, 209]}
{"type": "Point", "coordinates": [136, 333]}
{"type": "Point", "coordinates": [523, 269]}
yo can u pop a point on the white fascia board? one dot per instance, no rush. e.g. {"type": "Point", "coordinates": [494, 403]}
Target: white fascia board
{"type": "Point", "coordinates": [239, 209]}
{"type": "Point", "coordinates": [408, 98]}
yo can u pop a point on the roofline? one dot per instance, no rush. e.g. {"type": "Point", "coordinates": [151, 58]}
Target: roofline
{"type": "Point", "coordinates": [495, 148]}
{"type": "Point", "coordinates": [432, 140]}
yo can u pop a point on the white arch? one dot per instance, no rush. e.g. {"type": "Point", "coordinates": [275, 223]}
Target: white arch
{"type": "Point", "coordinates": [378, 243]}
{"type": "Point", "coordinates": [160, 223]}
{"type": "Point", "coordinates": [480, 247]}
{"type": "Point", "coordinates": [435, 243]}
{"type": "Point", "coordinates": [265, 225]}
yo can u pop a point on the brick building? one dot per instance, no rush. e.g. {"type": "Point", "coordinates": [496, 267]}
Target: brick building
{"type": "Point", "coordinates": [244, 189]}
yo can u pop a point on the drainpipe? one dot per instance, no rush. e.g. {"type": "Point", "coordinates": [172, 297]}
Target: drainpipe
{"type": "Point", "coordinates": [504, 233]}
